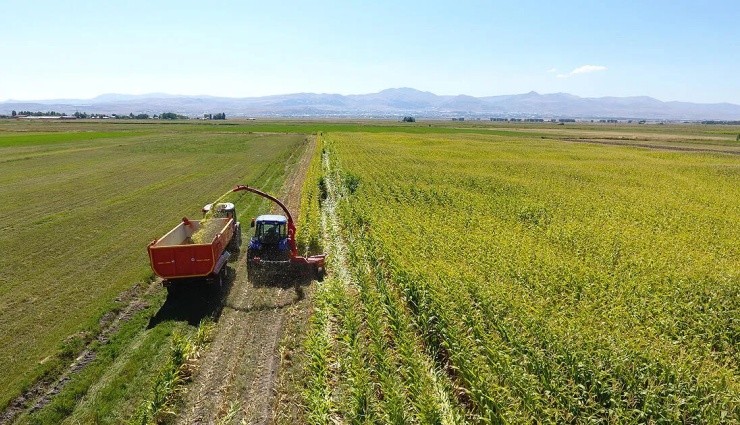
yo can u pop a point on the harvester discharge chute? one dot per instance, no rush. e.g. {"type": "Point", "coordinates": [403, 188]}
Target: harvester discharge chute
{"type": "Point", "coordinates": [273, 245]}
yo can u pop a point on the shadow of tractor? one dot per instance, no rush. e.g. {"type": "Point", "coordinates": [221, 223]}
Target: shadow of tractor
{"type": "Point", "coordinates": [280, 279]}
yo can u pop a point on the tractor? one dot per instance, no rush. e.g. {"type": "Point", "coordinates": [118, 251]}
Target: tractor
{"type": "Point", "coordinates": [227, 210]}
{"type": "Point", "coordinates": [273, 248]}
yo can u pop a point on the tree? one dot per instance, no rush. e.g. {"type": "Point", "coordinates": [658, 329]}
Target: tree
{"type": "Point", "coordinates": [409, 119]}
{"type": "Point", "coordinates": [172, 116]}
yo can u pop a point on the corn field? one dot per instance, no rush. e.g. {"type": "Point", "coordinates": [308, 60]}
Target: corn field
{"type": "Point", "coordinates": [490, 279]}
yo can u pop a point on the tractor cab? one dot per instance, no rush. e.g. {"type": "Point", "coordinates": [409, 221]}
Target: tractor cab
{"type": "Point", "coordinates": [227, 210]}
{"type": "Point", "coordinates": [270, 240]}
{"type": "Point", "coordinates": [223, 210]}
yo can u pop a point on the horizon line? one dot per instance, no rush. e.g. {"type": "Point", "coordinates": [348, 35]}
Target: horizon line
{"type": "Point", "coordinates": [154, 94]}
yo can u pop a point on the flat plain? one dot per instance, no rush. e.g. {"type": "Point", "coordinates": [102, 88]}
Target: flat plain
{"type": "Point", "coordinates": [479, 273]}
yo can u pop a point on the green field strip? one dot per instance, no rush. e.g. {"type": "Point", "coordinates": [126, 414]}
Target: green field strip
{"type": "Point", "coordinates": [16, 140]}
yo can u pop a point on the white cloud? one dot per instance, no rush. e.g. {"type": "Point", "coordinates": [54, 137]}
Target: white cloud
{"type": "Point", "coordinates": [552, 70]}
{"type": "Point", "coordinates": [585, 69]}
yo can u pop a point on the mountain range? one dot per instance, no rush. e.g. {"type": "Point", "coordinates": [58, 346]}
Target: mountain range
{"type": "Point", "coordinates": [389, 103]}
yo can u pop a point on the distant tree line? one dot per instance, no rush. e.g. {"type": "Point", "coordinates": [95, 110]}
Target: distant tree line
{"type": "Point", "coordinates": [408, 119]}
{"type": "Point", "coordinates": [37, 114]}
{"type": "Point", "coordinates": [722, 122]}
{"type": "Point", "coordinates": [221, 116]}
{"type": "Point", "coordinates": [84, 115]}
{"type": "Point", "coordinates": [171, 116]}
{"type": "Point", "coordinates": [129, 116]}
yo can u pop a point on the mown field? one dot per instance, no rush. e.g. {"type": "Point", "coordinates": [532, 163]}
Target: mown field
{"type": "Point", "coordinates": [519, 276]}
{"type": "Point", "coordinates": [80, 203]}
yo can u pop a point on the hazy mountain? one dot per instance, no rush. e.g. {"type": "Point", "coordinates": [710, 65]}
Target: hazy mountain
{"type": "Point", "coordinates": [390, 103]}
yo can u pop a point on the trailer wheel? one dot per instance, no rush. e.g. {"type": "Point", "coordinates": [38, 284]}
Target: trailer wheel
{"type": "Point", "coordinates": [319, 273]}
{"type": "Point", "coordinates": [222, 278]}
{"type": "Point", "coordinates": [234, 244]}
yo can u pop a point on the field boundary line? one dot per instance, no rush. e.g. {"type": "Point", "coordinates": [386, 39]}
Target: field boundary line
{"type": "Point", "coordinates": [647, 146]}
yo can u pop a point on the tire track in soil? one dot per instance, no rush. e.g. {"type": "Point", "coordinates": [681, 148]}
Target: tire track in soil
{"type": "Point", "coordinates": [42, 392]}
{"type": "Point", "coordinates": [236, 375]}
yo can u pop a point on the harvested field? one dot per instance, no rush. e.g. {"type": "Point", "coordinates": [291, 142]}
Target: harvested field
{"type": "Point", "coordinates": [81, 202]}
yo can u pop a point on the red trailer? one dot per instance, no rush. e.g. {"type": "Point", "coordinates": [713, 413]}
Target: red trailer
{"type": "Point", "coordinates": [176, 259]}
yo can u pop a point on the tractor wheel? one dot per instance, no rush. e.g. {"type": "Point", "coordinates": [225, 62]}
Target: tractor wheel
{"type": "Point", "coordinates": [250, 255]}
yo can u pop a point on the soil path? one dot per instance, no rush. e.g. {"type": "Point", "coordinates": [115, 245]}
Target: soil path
{"type": "Point", "coordinates": [236, 375]}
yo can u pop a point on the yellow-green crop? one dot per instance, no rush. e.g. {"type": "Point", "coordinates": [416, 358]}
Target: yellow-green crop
{"type": "Point", "coordinates": [518, 279]}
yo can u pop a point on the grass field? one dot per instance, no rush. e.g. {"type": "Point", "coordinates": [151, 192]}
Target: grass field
{"type": "Point", "coordinates": [80, 203]}
{"type": "Point", "coordinates": [499, 278]}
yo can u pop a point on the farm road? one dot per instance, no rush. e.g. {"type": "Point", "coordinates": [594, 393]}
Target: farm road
{"type": "Point", "coordinates": [235, 379]}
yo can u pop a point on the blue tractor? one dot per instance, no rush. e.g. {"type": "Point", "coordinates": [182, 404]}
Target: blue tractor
{"type": "Point", "coordinates": [270, 241]}
{"type": "Point", "coordinates": [273, 246]}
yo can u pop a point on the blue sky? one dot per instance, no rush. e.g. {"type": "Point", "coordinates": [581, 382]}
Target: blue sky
{"type": "Point", "coordinates": [670, 50]}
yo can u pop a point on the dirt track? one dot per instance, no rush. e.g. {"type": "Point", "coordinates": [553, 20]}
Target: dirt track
{"type": "Point", "coordinates": [42, 392]}
{"type": "Point", "coordinates": [235, 379]}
